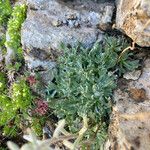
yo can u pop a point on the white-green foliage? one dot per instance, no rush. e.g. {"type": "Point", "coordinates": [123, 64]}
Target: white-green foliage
{"type": "Point", "coordinates": [85, 82]}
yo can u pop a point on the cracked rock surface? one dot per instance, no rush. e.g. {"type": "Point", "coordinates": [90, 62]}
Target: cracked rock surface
{"type": "Point", "coordinates": [133, 18]}
{"type": "Point", "coordinates": [50, 22]}
{"type": "Point", "coordinates": [130, 122]}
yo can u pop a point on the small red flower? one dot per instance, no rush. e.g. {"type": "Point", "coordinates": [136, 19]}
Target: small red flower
{"type": "Point", "coordinates": [31, 79]}
{"type": "Point", "coordinates": [42, 107]}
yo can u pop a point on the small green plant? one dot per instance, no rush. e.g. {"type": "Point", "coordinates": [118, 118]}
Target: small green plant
{"type": "Point", "coordinates": [121, 62]}
{"type": "Point", "coordinates": [37, 125]}
{"type": "Point", "coordinates": [85, 83]}
{"type": "Point", "coordinates": [13, 19]}
{"type": "Point", "coordinates": [2, 43]}
{"type": "Point", "coordinates": [5, 11]}
{"type": "Point", "coordinates": [13, 32]}
{"type": "Point", "coordinates": [1, 148]}
{"type": "Point", "coordinates": [14, 108]}
{"type": "Point", "coordinates": [3, 82]}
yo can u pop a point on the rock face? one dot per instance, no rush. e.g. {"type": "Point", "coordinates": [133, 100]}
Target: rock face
{"type": "Point", "coordinates": [130, 127]}
{"type": "Point", "coordinates": [133, 18]}
{"type": "Point", "coordinates": [50, 22]}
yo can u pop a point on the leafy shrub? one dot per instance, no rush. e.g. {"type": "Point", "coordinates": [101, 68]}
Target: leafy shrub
{"type": "Point", "coordinates": [84, 85]}
{"type": "Point", "coordinates": [5, 11]}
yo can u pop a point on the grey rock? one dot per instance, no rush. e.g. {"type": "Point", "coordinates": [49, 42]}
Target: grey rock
{"type": "Point", "coordinates": [130, 121]}
{"type": "Point", "coordinates": [107, 18]}
{"type": "Point", "coordinates": [51, 22]}
{"type": "Point", "coordinates": [133, 18]}
{"type": "Point", "coordinates": [47, 38]}
{"type": "Point", "coordinates": [45, 68]}
{"type": "Point", "coordinates": [54, 22]}
{"type": "Point", "coordinates": [134, 75]}
{"type": "Point", "coordinates": [144, 80]}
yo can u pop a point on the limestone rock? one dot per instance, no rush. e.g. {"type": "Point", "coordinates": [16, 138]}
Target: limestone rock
{"type": "Point", "coordinates": [144, 80]}
{"type": "Point", "coordinates": [130, 122]}
{"type": "Point", "coordinates": [133, 18]}
{"type": "Point", "coordinates": [134, 75]}
{"type": "Point", "coordinates": [44, 67]}
{"type": "Point", "coordinates": [51, 22]}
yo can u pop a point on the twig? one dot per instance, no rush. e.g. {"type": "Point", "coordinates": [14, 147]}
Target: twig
{"type": "Point", "coordinates": [133, 43]}
{"type": "Point", "coordinates": [59, 139]}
